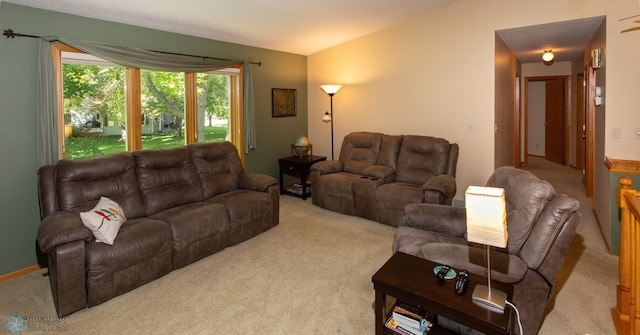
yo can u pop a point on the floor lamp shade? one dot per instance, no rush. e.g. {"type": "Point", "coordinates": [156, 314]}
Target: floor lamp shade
{"type": "Point", "coordinates": [487, 224]}
{"type": "Point", "coordinates": [331, 89]}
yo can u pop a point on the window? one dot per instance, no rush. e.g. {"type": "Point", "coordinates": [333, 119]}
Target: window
{"type": "Point", "coordinates": [106, 108]}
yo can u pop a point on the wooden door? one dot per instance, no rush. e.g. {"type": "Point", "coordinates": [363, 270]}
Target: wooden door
{"type": "Point", "coordinates": [581, 127]}
{"type": "Point", "coordinates": [590, 135]}
{"type": "Point", "coordinates": [554, 120]}
{"type": "Point", "coordinates": [516, 122]}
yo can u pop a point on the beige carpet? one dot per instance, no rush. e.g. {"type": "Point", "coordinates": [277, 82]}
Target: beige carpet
{"type": "Point", "coordinates": [309, 275]}
{"type": "Point", "coordinates": [585, 288]}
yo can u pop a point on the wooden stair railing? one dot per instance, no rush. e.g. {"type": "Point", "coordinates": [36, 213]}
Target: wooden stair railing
{"type": "Point", "coordinates": [626, 314]}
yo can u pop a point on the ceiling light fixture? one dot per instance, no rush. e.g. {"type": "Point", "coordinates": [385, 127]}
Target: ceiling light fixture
{"type": "Point", "coordinates": [547, 56]}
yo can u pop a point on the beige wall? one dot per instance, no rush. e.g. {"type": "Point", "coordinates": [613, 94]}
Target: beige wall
{"type": "Point", "coordinates": [435, 76]}
{"type": "Point", "coordinates": [604, 145]}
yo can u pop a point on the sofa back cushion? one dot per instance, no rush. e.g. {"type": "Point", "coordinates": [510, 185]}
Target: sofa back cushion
{"type": "Point", "coordinates": [359, 151]}
{"type": "Point", "coordinates": [421, 158]}
{"type": "Point", "coordinates": [544, 233]}
{"type": "Point", "coordinates": [166, 178]}
{"type": "Point", "coordinates": [81, 182]}
{"type": "Point", "coordinates": [526, 197]}
{"type": "Point", "coordinates": [218, 166]}
{"type": "Point", "coordinates": [389, 150]}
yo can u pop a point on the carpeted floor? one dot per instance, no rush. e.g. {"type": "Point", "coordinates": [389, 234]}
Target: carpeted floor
{"type": "Point", "coordinates": [585, 288]}
{"type": "Point", "coordinates": [309, 275]}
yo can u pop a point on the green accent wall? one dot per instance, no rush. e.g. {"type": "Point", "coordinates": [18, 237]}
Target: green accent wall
{"type": "Point", "coordinates": [615, 210]}
{"type": "Point", "coordinates": [18, 60]}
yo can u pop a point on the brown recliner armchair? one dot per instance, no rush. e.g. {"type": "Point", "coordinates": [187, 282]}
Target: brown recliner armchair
{"type": "Point", "coordinates": [541, 226]}
{"type": "Point", "coordinates": [425, 173]}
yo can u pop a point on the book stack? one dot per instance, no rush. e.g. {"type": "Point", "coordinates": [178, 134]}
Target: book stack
{"type": "Point", "coordinates": [409, 320]}
{"type": "Point", "coordinates": [297, 189]}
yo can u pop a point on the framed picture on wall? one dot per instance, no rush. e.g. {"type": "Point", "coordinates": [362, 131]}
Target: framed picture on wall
{"type": "Point", "coordinates": [283, 102]}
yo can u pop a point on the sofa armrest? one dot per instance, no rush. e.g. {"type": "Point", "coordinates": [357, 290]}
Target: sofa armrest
{"type": "Point", "coordinates": [68, 277]}
{"type": "Point", "coordinates": [256, 182]}
{"type": "Point", "coordinates": [443, 183]}
{"type": "Point", "coordinates": [327, 167]}
{"type": "Point", "coordinates": [441, 219]}
{"type": "Point", "coordinates": [60, 228]}
{"type": "Point", "coordinates": [379, 171]}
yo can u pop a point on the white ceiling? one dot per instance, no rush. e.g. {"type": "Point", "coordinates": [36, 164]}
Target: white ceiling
{"type": "Point", "coordinates": [297, 26]}
{"type": "Point", "coordinates": [567, 39]}
{"type": "Point", "coordinates": [307, 26]}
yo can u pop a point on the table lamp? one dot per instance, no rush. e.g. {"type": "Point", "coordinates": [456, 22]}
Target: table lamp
{"type": "Point", "coordinates": [487, 225]}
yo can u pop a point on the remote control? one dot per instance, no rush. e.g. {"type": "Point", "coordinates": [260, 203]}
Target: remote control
{"type": "Point", "coordinates": [444, 269]}
{"type": "Point", "coordinates": [462, 282]}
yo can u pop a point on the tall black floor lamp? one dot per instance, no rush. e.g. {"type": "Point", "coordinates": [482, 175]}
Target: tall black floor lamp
{"type": "Point", "coordinates": [330, 90]}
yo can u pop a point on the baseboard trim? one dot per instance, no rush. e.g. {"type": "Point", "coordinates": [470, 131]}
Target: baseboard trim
{"type": "Point", "coordinates": [20, 272]}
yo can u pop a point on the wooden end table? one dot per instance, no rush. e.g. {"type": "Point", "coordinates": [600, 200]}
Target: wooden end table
{"type": "Point", "coordinates": [297, 166]}
{"type": "Point", "coordinates": [411, 279]}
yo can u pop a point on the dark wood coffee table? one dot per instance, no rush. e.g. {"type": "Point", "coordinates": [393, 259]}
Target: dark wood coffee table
{"type": "Point", "coordinates": [411, 279]}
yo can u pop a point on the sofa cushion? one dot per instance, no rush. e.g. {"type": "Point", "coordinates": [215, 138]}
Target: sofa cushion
{"type": "Point", "coordinates": [198, 229]}
{"type": "Point", "coordinates": [526, 197]}
{"type": "Point", "coordinates": [335, 191]}
{"type": "Point", "coordinates": [397, 195]}
{"type": "Point", "coordinates": [246, 221]}
{"type": "Point", "coordinates": [104, 220]}
{"type": "Point", "coordinates": [410, 240]}
{"type": "Point", "coordinates": [453, 251]}
{"type": "Point", "coordinates": [140, 254]}
{"type": "Point", "coordinates": [359, 151]}
{"type": "Point", "coordinates": [421, 158]}
{"type": "Point", "coordinates": [505, 268]}
{"type": "Point", "coordinates": [80, 185]}
{"type": "Point", "coordinates": [167, 178]}
{"type": "Point", "coordinates": [389, 149]}
{"type": "Point", "coordinates": [218, 166]}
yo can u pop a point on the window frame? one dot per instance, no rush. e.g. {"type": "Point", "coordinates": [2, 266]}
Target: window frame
{"type": "Point", "coordinates": [133, 105]}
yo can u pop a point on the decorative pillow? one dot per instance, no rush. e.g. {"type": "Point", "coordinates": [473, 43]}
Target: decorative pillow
{"type": "Point", "coordinates": [104, 220]}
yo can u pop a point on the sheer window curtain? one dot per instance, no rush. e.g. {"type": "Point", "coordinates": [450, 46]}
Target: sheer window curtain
{"type": "Point", "coordinates": [48, 148]}
{"type": "Point", "coordinates": [47, 137]}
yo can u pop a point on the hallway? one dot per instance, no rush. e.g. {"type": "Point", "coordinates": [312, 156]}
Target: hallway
{"type": "Point", "coordinates": [584, 289]}
{"type": "Point", "coordinates": [567, 180]}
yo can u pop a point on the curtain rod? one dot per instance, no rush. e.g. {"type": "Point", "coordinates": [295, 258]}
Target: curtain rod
{"type": "Point", "coordinates": [11, 34]}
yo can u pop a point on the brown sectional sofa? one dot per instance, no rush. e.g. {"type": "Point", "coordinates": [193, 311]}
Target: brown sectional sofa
{"type": "Point", "coordinates": [376, 175]}
{"type": "Point", "coordinates": [181, 204]}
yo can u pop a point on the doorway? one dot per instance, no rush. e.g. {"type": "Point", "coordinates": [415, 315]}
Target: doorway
{"type": "Point", "coordinates": [545, 118]}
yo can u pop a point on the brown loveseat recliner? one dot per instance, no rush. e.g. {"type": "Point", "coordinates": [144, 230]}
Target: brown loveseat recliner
{"type": "Point", "coordinates": [376, 175]}
{"type": "Point", "coordinates": [541, 225]}
{"type": "Point", "coordinates": [181, 205]}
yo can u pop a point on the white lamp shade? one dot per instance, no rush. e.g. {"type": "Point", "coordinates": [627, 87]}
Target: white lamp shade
{"type": "Point", "coordinates": [326, 117]}
{"type": "Point", "coordinates": [331, 89]}
{"type": "Point", "coordinates": [547, 56]}
{"type": "Point", "coordinates": [486, 216]}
